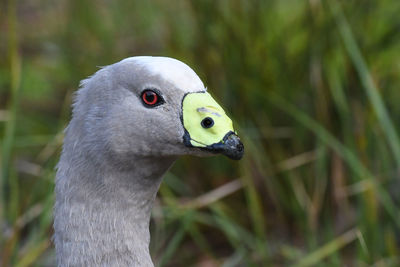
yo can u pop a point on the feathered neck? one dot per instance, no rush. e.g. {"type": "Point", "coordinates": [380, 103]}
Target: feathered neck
{"type": "Point", "coordinates": [102, 213]}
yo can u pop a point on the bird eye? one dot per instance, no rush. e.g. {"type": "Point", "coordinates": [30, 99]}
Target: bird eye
{"type": "Point", "coordinates": [151, 99]}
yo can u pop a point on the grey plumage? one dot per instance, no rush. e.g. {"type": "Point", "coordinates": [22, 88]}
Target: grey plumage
{"type": "Point", "coordinates": [114, 155]}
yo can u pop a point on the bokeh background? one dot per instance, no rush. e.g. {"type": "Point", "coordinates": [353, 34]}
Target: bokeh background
{"type": "Point", "coordinates": [312, 86]}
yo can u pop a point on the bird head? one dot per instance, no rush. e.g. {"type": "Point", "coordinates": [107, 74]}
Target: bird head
{"type": "Point", "coordinates": [155, 106]}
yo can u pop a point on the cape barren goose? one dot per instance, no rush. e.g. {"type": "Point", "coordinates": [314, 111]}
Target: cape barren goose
{"type": "Point", "coordinates": [131, 121]}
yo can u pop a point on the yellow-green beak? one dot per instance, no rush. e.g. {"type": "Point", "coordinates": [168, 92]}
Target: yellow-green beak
{"type": "Point", "coordinates": [208, 127]}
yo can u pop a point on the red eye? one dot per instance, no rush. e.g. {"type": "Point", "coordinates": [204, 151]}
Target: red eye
{"type": "Point", "coordinates": [151, 98]}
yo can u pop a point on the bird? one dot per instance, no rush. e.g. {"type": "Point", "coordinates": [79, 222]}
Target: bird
{"type": "Point", "coordinates": [130, 122]}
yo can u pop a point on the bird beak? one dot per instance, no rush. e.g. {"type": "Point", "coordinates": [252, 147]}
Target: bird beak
{"type": "Point", "coordinates": [208, 127]}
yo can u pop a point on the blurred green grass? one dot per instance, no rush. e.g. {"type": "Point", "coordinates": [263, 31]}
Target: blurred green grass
{"type": "Point", "coordinates": [312, 87]}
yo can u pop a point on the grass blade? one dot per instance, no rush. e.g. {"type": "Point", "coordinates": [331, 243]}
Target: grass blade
{"type": "Point", "coordinates": [327, 249]}
{"type": "Point", "coordinates": [366, 80]}
{"type": "Point", "coordinates": [354, 163]}
{"type": "Point", "coordinates": [10, 125]}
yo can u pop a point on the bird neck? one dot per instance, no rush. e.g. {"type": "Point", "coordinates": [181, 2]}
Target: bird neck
{"type": "Point", "coordinates": [102, 213]}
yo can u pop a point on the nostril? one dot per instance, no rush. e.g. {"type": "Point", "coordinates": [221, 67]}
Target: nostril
{"type": "Point", "coordinates": [207, 123]}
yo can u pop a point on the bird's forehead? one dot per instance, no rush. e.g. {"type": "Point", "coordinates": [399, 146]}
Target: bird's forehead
{"type": "Point", "coordinates": [171, 70]}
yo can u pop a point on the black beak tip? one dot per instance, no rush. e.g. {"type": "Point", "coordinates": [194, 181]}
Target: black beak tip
{"type": "Point", "coordinates": [236, 154]}
{"type": "Point", "coordinates": [233, 147]}
{"type": "Point", "coordinates": [230, 146]}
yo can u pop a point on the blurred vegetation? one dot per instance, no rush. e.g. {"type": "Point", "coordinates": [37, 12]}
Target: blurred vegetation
{"type": "Point", "coordinates": [313, 87]}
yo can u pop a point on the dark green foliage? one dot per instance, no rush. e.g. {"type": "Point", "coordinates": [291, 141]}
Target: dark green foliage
{"type": "Point", "coordinates": [312, 86]}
